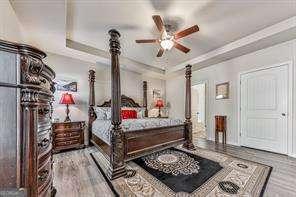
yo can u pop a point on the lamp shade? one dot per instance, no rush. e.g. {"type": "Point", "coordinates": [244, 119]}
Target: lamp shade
{"type": "Point", "coordinates": [67, 99]}
{"type": "Point", "coordinates": [159, 103]}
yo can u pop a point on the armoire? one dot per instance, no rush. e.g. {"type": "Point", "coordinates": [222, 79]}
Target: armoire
{"type": "Point", "coordinates": [26, 95]}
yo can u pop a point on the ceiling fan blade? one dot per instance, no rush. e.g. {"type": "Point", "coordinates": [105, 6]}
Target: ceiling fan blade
{"type": "Point", "coordinates": [160, 52]}
{"type": "Point", "coordinates": [158, 22]}
{"type": "Point", "coordinates": [147, 41]}
{"type": "Point", "coordinates": [186, 32]}
{"type": "Point", "coordinates": [181, 47]}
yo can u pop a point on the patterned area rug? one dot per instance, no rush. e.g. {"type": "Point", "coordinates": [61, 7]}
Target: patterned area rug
{"type": "Point", "coordinates": [182, 173]}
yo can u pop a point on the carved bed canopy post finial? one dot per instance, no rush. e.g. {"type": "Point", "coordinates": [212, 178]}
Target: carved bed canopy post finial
{"type": "Point", "coordinates": [188, 124]}
{"type": "Point", "coordinates": [117, 164]}
{"type": "Point", "coordinates": [145, 98]}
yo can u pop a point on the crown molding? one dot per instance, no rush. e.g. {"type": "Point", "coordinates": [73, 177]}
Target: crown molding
{"type": "Point", "coordinates": [272, 35]}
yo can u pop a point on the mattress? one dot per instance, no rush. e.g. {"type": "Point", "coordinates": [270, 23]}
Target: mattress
{"type": "Point", "coordinates": [102, 128]}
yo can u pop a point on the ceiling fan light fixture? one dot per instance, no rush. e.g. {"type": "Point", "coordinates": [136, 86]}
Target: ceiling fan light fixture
{"type": "Point", "coordinates": [167, 44]}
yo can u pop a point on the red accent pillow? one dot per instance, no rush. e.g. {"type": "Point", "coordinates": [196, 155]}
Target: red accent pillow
{"type": "Point", "coordinates": [128, 114]}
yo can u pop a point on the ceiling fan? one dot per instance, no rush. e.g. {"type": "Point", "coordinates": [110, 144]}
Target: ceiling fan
{"type": "Point", "coordinates": [166, 40]}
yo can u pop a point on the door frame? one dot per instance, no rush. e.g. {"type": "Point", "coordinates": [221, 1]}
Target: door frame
{"type": "Point", "coordinates": [290, 101]}
{"type": "Point", "coordinates": [206, 82]}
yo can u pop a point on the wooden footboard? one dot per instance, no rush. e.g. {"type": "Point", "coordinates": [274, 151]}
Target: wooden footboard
{"type": "Point", "coordinates": [142, 142]}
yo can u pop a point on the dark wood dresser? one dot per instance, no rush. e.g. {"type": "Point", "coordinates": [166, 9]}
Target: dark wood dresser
{"type": "Point", "coordinates": [26, 95]}
{"type": "Point", "coordinates": [68, 135]}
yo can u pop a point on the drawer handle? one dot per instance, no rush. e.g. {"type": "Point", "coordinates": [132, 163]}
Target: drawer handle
{"type": "Point", "coordinates": [42, 80]}
{"type": "Point", "coordinates": [43, 111]}
{"type": "Point", "coordinates": [44, 143]}
{"type": "Point", "coordinates": [42, 175]}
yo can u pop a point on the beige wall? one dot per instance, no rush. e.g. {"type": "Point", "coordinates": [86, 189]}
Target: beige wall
{"type": "Point", "coordinates": [69, 68]}
{"type": "Point", "coordinates": [10, 27]}
{"type": "Point", "coordinates": [229, 71]}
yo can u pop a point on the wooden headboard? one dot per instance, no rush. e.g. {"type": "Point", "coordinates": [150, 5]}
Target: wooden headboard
{"type": "Point", "coordinates": [125, 102]}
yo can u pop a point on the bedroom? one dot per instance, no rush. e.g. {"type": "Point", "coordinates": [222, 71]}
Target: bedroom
{"type": "Point", "coordinates": [60, 134]}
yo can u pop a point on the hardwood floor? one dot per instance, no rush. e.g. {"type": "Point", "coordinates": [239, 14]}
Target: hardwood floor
{"type": "Point", "coordinates": [75, 173]}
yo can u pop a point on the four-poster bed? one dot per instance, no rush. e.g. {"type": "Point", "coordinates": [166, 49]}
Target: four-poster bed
{"type": "Point", "coordinates": [127, 145]}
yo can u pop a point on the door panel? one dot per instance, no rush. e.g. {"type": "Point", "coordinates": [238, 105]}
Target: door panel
{"type": "Point", "coordinates": [264, 97]}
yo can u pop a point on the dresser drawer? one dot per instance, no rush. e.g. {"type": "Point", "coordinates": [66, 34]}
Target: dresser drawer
{"type": "Point", "coordinates": [45, 83]}
{"type": "Point", "coordinates": [44, 142]}
{"type": "Point", "coordinates": [44, 112]}
{"type": "Point", "coordinates": [44, 175]}
{"type": "Point", "coordinates": [46, 192]}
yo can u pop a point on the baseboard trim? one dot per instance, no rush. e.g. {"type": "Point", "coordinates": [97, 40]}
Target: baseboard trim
{"type": "Point", "coordinates": [227, 142]}
{"type": "Point", "coordinates": [292, 155]}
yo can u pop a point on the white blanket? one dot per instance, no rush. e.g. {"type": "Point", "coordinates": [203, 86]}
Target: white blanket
{"type": "Point", "coordinates": [102, 128]}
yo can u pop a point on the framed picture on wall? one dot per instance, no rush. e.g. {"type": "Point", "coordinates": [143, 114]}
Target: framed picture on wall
{"type": "Point", "coordinates": [222, 91]}
{"type": "Point", "coordinates": [66, 85]}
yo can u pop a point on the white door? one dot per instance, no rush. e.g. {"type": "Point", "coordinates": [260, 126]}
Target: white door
{"type": "Point", "coordinates": [264, 106]}
{"type": "Point", "coordinates": [198, 109]}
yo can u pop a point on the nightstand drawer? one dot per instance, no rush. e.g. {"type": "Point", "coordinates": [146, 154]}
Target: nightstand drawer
{"type": "Point", "coordinates": [64, 139]}
{"type": "Point", "coordinates": [67, 135]}
{"type": "Point", "coordinates": [67, 143]}
{"type": "Point", "coordinates": [68, 130]}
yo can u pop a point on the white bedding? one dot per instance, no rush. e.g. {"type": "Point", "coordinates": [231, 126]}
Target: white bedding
{"type": "Point", "coordinates": [101, 128]}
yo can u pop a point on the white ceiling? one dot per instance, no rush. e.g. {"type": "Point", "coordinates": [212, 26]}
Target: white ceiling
{"type": "Point", "coordinates": [49, 22]}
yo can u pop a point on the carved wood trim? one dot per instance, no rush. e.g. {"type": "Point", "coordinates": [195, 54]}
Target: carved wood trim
{"type": "Point", "coordinates": [125, 102]}
{"type": "Point", "coordinates": [117, 163]}
{"type": "Point", "coordinates": [91, 112]}
{"type": "Point", "coordinates": [188, 123]}
{"type": "Point", "coordinates": [33, 96]}
{"type": "Point", "coordinates": [145, 98]}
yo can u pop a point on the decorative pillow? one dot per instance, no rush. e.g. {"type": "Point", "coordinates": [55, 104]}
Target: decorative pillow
{"type": "Point", "coordinates": [101, 113]}
{"type": "Point", "coordinates": [140, 111]}
{"type": "Point", "coordinates": [128, 114]}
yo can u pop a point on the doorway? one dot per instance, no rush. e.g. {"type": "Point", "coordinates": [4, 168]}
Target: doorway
{"type": "Point", "coordinates": [264, 109]}
{"type": "Point", "coordinates": [198, 110]}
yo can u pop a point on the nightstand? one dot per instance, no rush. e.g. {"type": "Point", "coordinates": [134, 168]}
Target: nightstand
{"type": "Point", "coordinates": [68, 135]}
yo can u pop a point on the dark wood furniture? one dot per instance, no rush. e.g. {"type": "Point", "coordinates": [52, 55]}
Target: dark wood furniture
{"type": "Point", "coordinates": [26, 95]}
{"type": "Point", "coordinates": [128, 145]}
{"type": "Point", "coordinates": [220, 126]}
{"type": "Point", "coordinates": [68, 135]}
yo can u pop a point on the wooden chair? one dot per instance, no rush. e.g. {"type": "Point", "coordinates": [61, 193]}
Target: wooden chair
{"type": "Point", "coordinates": [220, 122]}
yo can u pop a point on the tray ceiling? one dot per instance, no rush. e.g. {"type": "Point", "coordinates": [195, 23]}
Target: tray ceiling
{"type": "Point", "coordinates": [88, 22]}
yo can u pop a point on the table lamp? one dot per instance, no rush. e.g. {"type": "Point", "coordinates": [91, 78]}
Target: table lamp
{"type": "Point", "coordinates": [67, 100]}
{"type": "Point", "coordinates": [159, 104]}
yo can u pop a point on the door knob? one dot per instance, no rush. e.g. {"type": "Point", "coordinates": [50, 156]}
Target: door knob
{"type": "Point", "coordinates": [283, 114]}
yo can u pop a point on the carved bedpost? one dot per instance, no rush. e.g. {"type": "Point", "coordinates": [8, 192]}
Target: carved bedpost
{"type": "Point", "coordinates": [188, 124]}
{"type": "Point", "coordinates": [91, 112]}
{"type": "Point", "coordinates": [117, 164]}
{"type": "Point", "coordinates": [145, 98]}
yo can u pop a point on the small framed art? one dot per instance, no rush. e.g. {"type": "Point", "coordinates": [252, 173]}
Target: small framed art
{"type": "Point", "coordinates": [222, 91]}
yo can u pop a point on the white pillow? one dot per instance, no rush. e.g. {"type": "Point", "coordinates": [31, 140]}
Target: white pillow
{"type": "Point", "coordinates": [101, 115]}
{"type": "Point", "coordinates": [140, 112]}
{"type": "Point", "coordinates": [108, 113]}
